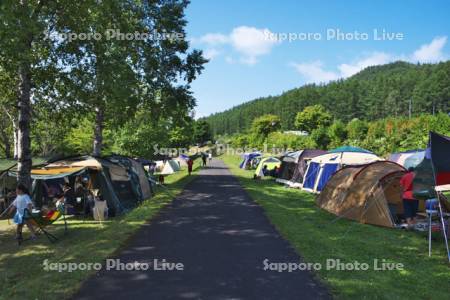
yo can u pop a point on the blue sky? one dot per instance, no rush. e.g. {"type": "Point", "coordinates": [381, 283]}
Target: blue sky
{"type": "Point", "coordinates": [250, 59]}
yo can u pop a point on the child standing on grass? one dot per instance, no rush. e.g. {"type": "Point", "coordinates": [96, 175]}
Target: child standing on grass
{"type": "Point", "coordinates": [23, 206]}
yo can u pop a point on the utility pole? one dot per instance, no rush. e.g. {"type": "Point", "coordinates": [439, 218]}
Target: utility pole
{"type": "Point", "coordinates": [410, 108]}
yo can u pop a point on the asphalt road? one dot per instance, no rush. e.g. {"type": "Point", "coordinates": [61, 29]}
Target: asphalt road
{"type": "Point", "coordinates": [221, 238]}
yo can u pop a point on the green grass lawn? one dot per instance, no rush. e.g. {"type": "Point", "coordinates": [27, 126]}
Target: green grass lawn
{"type": "Point", "coordinates": [317, 238]}
{"type": "Point", "coordinates": [21, 268]}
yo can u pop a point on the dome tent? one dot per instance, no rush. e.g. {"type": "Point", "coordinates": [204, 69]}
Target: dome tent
{"type": "Point", "coordinates": [368, 194]}
{"type": "Point", "coordinates": [248, 158]}
{"type": "Point", "coordinates": [321, 168]}
{"type": "Point", "coordinates": [271, 163]}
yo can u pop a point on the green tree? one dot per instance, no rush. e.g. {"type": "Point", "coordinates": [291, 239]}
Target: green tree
{"type": "Point", "coordinates": [313, 117]}
{"type": "Point", "coordinates": [262, 126]}
{"type": "Point", "coordinates": [357, 129]}
{"type": "Point", "coordinates": [320, 137]}
{"type": "Point", "coordinates": [117, 76]}
{"type": "Point", "coordinates": [337, 133]}
{"type": "Point", "coordinates": [202, 132]}
{"type": "Point", "coordinates": [25, 56]}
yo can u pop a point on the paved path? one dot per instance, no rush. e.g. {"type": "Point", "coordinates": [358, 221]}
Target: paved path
{"type": "Point", "coordinates": [222, 238]}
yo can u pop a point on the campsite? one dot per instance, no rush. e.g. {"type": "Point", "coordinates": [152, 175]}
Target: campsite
{"type": "Point", "coordinates": [179, 149]}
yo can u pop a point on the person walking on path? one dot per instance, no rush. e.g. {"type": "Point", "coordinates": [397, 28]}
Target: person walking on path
{"type": "Point", "coordinates": [190, 162]}
{"type": "Point", "coordinates": [204, 159]}
{"type": "Point", "coordinates": [209, 157]}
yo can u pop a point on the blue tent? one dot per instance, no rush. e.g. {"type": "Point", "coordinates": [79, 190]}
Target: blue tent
{"type": "Point", "coordinates": [350, 149]}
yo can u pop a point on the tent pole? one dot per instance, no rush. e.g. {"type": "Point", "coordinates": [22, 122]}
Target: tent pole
{"type": "Point", "coordinates": [444, 230]}
{"type": "Point", "coordinates": [429, 234]}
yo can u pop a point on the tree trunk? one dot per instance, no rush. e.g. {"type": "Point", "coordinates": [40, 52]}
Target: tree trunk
{"type": "Point", "coordinates": [23, 130]}
{"type": "Point", "coordinates": [98, 131]}
{"type": "Point", "coordinates": [16, 141]}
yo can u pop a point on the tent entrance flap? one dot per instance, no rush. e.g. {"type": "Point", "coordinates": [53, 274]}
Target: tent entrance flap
{"type": "Point", "coordinates": [327, 171]}
{"type": "Point", "coordinates": [311, 175]}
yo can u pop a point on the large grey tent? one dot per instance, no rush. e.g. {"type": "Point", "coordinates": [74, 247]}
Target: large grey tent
{"type": "Point", "coordinates": [302, 164]}
{"type": "Point", "coordinates": [119, 180]}
{"type": "Point", "coordinates": [288, 165]}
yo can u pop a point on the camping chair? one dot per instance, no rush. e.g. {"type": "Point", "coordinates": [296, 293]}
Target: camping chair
{"type": "Point", "coordinates": [41, 221]}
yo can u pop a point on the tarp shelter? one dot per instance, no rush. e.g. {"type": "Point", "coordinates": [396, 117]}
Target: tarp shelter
{"type": "Point", "coordinates": [270, 162]}
{"type": "Point", "coordinates": [321, 168]}
{"type": "Point", "coordinates": [288, 164]}
{"type": "Point", "coordinates": [369, 194]}
{"type": "Point", "coordinates": [302, 164]}
{"type": "Point", "coordinates": [247, 159]}
{"type": "Point", "coordinates": [408, 159]}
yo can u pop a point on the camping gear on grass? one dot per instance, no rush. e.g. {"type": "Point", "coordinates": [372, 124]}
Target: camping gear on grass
{"type": "Point", "coordinates": [368, 194]}
{"type": "Point", "coordinates": [44, 218]}
{"type": "Point", "coordinates": [321, 168]}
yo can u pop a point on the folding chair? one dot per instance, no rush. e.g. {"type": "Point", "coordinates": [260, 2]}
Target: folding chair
{"type": "Point", "coordinates": [42, 221]}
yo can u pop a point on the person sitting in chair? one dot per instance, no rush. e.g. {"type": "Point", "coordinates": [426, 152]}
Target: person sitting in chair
{"type": "Point", "coordinates": [67, 198]}
{"type": "Point", "coordinates": [265, 170]}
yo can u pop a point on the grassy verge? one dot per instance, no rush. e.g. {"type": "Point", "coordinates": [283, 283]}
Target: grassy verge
{"type": "Point", "coordinates": [316, 236]}
{"type": "Point", "coordinates": [21, 268]}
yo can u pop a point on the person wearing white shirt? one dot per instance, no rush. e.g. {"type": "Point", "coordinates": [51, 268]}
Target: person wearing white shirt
{"type": "Point", "coordinates": [23, 206]}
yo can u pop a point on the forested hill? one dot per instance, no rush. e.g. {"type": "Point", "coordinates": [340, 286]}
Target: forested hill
{"type": "Point", "coordinates": [374, 93]}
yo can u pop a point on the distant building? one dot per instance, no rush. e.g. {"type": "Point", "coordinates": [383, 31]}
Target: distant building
{"type": "Point", "coordinates": [296, 132]}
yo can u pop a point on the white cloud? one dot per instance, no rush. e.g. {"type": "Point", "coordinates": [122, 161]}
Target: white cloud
{"type": "Point", "coordinates": [313, 72]}
{"type": "Point", "coordinates": [376, 58]}
{"type": "Point", "coordinates": [431, 52]}
{"type": "Point", "coordinates": [249, 42]}
{"type": "Point", "coordinates": [214, 39]}
{"type": "Point", "coordinates": [211, 53]}
{"type": "Point", "coordinates": [229, 59]}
